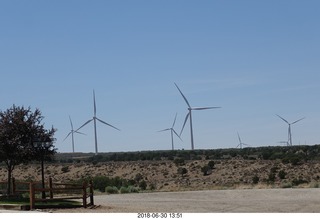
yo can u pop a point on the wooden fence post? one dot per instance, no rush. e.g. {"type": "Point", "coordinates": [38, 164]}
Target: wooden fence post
{"type": "Point", "coordinates": [32, 195]}
{"type": "Point", "coordinates": [91, 193]}
{"type": "Point", "coordinates": [84, 194]}
{"type": "Point", "coordinates": [50, 188]}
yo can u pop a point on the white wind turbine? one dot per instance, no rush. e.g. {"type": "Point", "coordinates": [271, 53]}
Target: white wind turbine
{"type": "Point", "coordinates": [94, 119]}
{"type": "Point", "coordinates": [289, 129]}
{"type": "Point", "coordinates": [71, 133]}
{"type": "Point", "coordinates": [240, 142]}
{"type": "Point", "coordinates": [189, 115]}
{"type": "Point", "coordinates": [172, 131]}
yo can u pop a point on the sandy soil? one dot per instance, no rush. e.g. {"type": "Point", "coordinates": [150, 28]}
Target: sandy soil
{"type": "Point", "coordinates": [213, 201]}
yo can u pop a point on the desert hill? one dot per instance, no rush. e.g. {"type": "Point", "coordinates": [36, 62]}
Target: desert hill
{"type": "Point", "coordinates": [298, 167]}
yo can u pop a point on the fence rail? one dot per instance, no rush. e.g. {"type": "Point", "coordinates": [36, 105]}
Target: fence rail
{"type": "Point", "coordinates": [57, 191]}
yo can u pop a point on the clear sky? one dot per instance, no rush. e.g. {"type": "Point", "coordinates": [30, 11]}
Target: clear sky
{"type": "Point", "coordinates": [253, 58]}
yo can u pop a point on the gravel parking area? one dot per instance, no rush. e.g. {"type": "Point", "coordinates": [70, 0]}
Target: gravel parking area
{"type": "Point", "coordinates": [213, 201]}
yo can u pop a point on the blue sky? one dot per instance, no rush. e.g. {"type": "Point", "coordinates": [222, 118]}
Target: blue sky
{"type": "Point", "coordinates": [254, 59]}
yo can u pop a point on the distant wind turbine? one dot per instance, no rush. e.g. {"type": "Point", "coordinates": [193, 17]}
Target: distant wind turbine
{"type": "Point", "coordinates": [289, 129]}
{"type": "Point", "coordinates": [189, 115]}
{"type": "Point", "coordinates": [94, 119]}
{"type": "Point", "coordinates": [240, 142]}
{"type": "Point", "coordinates": [172, 131]}
{"type": "Point", "coordinates": [71, 133]}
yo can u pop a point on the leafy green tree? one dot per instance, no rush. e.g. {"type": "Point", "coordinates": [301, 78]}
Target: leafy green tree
{"type": "Point", "coordinates": [20, 129]}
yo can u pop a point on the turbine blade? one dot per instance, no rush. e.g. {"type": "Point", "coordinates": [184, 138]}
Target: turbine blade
{"type": "Point", "coordinates": [79, 133]}
{"type": "Point", "coordinates": [94, 104]}
{"type": "Point", "coordinates": [239, 138]}
{"type": "Point", "coordinates": [164, 130]}
{"type": "Point", "coordinates": [185, 120]}
{"type": "Point", "coordinates": [283, 119]}
{"type": "Point", "coordinates": [176, 134]}
{"type": "Point", "coordinates": [107, 124]}
{"type": "Point", "coordinates": [83, 125]}
{"type": "Point", "coordinates": [298, 120]}
{"type": "Point", "coordinates": [204, 108]}
{"type": "Point", "coordinates": [185, 99]}
{"type": "Point", "coordinates": [174, 122]}
{"type": "Point", "coordinates": [71, 123]}
{"type": "Point", "coordinates": [67, 136]}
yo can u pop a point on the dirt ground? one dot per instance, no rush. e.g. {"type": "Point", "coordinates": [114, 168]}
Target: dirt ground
{"type": "Point", "coordinates": [213, 201]}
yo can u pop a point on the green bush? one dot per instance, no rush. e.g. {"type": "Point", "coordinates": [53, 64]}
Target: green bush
{"type": "Point", "coordinates": [124, 190]}
{"type": "Point", "coordinates": [133, 189]}
{"type": "Point", "coordinates": [111, 190]}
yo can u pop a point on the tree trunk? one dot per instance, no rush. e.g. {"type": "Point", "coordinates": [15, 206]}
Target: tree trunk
{"type": "Point", "coordinates": [10, 169]}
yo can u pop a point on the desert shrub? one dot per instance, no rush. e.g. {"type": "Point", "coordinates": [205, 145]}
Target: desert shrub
{"type": "Point", "coordinates": [274, 169]}
{"type": "Point", "coordinates": [182, 171]}
{"type": "Point", "coordinates": [299, 181]}
{"type": "Point", "coordinates": [255, 179]}
{"type": "Point", "coordinates": [124, 190]}
{"type": "Point", "coordinates": [65, 169]}
{"type": "Point", "coordinates": [143, 185]}
{"type": "Point", "coordinates": [111, 190]}
{"type": "Point", "coordinates": [179, 161]}
{"type": "Point", "coordinates": [314, 185]}
{"type": "Point", "coordinates": [286, 185]}
{"type": "Point", "coordinates": [100, 182]}
{"type": "Point", "coordinates": [271, 177]}
{"type": "Point", "coordinates": [152, 186]}
{"type": "Point", "coordinates": [211, 164]}
{"type": "Point", "coordinates": [282, 174]}
{"type": "Point", "coordinates": [206, 170]}
{"type": "Point", "coordinates": [138, 177]}
{"type": "Point", "coordinates": [133, 189]}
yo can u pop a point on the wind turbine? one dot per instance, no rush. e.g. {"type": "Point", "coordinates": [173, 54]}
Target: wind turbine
{"type": "Point", "coordinates": [189, 115]}
{"type": "Point", "coordinates": [71, 133]}
{"type": "Point", "coordinates": [172, 131]}
{"type": "Point", "coordinates": [94, 119]}
{"type": "Point", "coordinates": [240, 142]}
{"type": "Point", "coordinates": [289, 129]}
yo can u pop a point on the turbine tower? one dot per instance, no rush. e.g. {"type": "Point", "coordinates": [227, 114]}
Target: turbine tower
{"type": "Point", "coordinates": [94, 119]}
{"type": "Point", "coordinates": [71, 133]}
{"type": "Point", "coordinates": [289, 129]}
{"type": "Point", "coordinates": [189, 115]}
{"type": "Point", "coordinates": [172, 131]}
{"type": "Point", "coordinates": [240, 142]}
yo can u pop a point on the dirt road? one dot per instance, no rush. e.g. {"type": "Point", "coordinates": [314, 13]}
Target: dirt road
{"type": "Point", "coordinates": [214, 201]}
